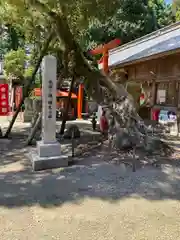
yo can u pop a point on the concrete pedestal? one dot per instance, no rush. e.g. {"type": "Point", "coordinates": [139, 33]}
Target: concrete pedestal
{"type": "Point", "coordinates": [47, 156]}
{"type": "Point", "coordinates": [27, 116]}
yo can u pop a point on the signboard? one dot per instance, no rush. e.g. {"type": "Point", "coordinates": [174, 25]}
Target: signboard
{"type": "Point", "coordinates": [4, 100]}
{"type": "Point", "coordinates": [161, 96]}
{"type": "Point", "coordinates": [142, 99]}
{"type": "Point", "coordinates": [18, 96]}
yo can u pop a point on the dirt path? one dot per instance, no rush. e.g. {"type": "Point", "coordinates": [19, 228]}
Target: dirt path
{"type": "Point", "coordinates": [92, 201]}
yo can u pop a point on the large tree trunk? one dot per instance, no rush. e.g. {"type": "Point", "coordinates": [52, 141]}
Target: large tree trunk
{"type": "Point", "coordinates": [65, 116]}
{"type": "Point", "coordinates": [102, 88]}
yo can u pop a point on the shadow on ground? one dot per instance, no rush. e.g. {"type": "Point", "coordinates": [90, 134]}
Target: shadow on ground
{"type": "Point", "coordinates": [12, 149]}
{"type": "Point", "coordinates": [91, 177]}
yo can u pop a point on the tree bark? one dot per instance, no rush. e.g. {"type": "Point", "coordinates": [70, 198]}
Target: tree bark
{"type": "Point", "coordinates": [29, 83]}
{"type": "Point", "coordinates": [34, 130]}
{"type": "Point", "coordinates": [65, 117]}
{"type": "Point", "coordinates": [102, 89]}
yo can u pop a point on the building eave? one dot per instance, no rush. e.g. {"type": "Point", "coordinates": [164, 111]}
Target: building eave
{"type": "Point", "coordinates": [153, 57]}
{"type": "Point", "coordinates": [160, 43]}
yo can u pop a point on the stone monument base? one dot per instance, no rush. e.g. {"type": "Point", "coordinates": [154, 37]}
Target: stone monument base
{"type": "Point", "coordinates": [27, 116]}
{"type": "Point", "coordinates": [47, 156]}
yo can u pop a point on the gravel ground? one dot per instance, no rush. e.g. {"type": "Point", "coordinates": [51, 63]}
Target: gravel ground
{"type": "Point", "coordinates": [94, 199]}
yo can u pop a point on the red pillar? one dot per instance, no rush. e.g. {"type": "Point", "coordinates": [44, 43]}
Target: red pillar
{"type": "Point", "coordinates": [80, 101]}
{"type": "Point", "coordinates": [105, 61]}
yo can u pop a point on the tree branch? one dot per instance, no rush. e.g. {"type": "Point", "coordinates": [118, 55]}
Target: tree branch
{"type": "Point", "coordinates": [29, 83]}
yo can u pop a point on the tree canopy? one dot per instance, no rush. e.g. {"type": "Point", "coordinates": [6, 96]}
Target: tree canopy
{"type": "Point", "coordinates": [27, 23]}
{"type": "Point", "coordinates": [69, 21]}
{"type": "Point", "coordinates": [91, 22]}
{"type": "Point", "coordinates": [14, 63]}
{"type": "Point", "coordinates": [131, 20]}
{"type": "Point", "coordinates": [17, 66]}
{"type": "Point", "coordinates": [176, 9]}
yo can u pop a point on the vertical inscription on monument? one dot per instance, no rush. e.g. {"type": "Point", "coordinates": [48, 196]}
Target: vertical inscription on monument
{"type": "Point", "coordinates": [50, 98]}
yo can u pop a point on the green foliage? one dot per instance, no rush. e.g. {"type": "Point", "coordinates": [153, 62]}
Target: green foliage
{"type": "Point", "coordinates": [92, 22]}
{"type": "Point", "coordinates": [21, 25]}
{"type": "Point", "coordinates": [11, 31]}
{"type": "Point", "coordinates": [4, 47]}
{"type": "Point", "coordinates": [178, 15]}
{"type": "Point", "coordinates": [37, 82]}
{"type": "Point", "coordinates": [28, 72]}
{"type": "Point", "coordinates": [132, 20]}
{"type": "Point", "coordinates": [10, 39]}
{"type": "Point", "coordinates": [176, 3]}
{"type": "Point", "coordinates": [176, 9]}
{"type": "Point", "coordinates": [79, 13]}
{"type": "Point", "coordinates": [14, 63]}
{"type": "Point", "coordinates": [14, 66]}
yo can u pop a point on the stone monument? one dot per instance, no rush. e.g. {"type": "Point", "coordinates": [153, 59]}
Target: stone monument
{"type": "Point", "coordinates": [28, 112]}
{"type": "Point", "coordinates": [48, 153]}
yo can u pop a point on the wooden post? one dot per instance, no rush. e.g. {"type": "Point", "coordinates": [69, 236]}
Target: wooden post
{"type": "Point", "coordinates": [80, 101]}
{"type": "Point", "coordinates": [104, 50]}
{"type": "Point", "coordinates": [134, 159]}
{"type": "Point", "coordinates": [37, 124]}
{"type": "Point", "coordinates": [175, 86]}
{"type": "Point", "coordinates": [105, 61]}
{"type": "Point", "coordinates": [65, 116]}
{"type": "Point", "coordinates": [73, 143]}
{"type": "Point", "coordinates": [154, 88]}
{"type": "Point", "coordinates": [154, 93]}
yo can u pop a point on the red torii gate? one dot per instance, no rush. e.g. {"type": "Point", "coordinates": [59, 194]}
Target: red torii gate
{"type": "Point", "coordinates": [104, 50]}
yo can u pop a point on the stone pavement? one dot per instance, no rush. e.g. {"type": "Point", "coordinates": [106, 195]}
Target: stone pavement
{"type": "Point", "coordinates": [91, 200]}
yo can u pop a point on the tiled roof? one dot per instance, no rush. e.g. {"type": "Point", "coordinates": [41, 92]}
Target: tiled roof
{"type": "Point", "coordinates": [163, 40]}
